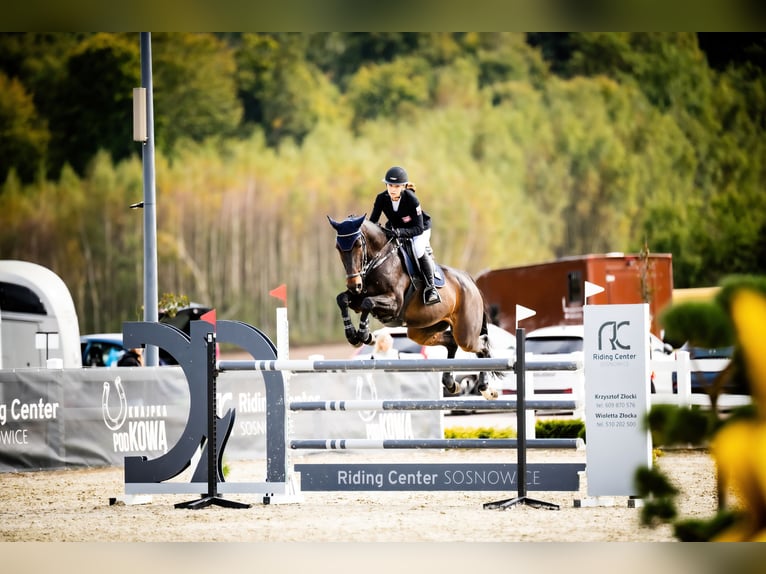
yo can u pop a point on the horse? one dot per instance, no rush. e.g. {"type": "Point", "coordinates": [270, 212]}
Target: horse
{"type": "Point", "coordinates": [379, 284]}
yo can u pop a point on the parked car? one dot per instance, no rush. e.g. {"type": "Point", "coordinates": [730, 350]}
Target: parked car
{"type": "Point", "coordinates": [706, 365]}
{"type": "Point", "coordinates": [559, 343]}
{"type": "Point", "coordinates": [502, 343]}
{"type": "Point", "coordinates": [565, 343]}
{"type": "Point", "coordinates": [101, 349]}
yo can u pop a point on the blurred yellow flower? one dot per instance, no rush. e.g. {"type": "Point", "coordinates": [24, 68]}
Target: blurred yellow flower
{"type": "Point", "coordinates": [740, 446]}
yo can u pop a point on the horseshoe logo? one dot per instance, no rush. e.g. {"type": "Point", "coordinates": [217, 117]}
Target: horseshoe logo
{"type": "Point", "coordinates": [365, 389]}
{"type": "Point", "coordinates": [114, 422]}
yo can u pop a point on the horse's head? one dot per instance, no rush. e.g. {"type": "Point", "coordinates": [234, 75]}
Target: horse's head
{"type": "Point", "coordinates": [351, 246]}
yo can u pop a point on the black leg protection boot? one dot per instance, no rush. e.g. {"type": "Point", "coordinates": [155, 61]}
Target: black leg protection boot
{"type": "Point", "coordinates": [430, 294]}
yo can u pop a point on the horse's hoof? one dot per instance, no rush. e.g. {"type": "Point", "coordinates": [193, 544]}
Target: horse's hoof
{"type": "Point", "coordinates": [490, 394]}
{"type": "Point", "coordinates": [453, 389]}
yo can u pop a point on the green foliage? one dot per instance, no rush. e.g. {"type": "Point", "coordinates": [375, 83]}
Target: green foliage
{"type": "Point", "coordinates": [23, 135]}
{"type": "Point", "coordinates": [551, 428]}
{"type": "Point", "coordinates": [700, 530]}
{"type": "Point", "coordinates": [559, 428]}
{"type": "Point", "coordinates": [479, 432]}
{"type": "Point", "coordinates": [391, 90]}
{"type": "Point", "coordinates": [170, 303]}
{"type": "Point", "coordinates": [671, 425]}
{"type": "Point", "coordinates": [195, 88]}
{"type": "Point", "coordinates": [702, 324]}
{"type": "Point", "coordinates": [94, 102]}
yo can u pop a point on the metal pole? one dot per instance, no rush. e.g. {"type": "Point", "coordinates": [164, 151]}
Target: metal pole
{"type": "Point", "coordinates": [151, 353]}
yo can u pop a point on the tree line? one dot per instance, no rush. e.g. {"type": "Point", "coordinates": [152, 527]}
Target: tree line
{"type": "Point", "coordinates": [523, 147]}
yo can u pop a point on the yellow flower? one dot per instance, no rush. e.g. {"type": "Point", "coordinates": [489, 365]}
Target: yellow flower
{"type": "Point", "coordinates": [748, 309]}
{"type": "Point", "coordinates": [740, 447]}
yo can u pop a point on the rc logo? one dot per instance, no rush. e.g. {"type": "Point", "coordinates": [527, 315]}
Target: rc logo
{"type": "Point", "coordinates": [610, 332]}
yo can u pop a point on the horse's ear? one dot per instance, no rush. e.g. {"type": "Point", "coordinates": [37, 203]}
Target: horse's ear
{"type": "Point", "coordinates": [332, 222]}
{"type": "Point", "coordinates": [359, 220]}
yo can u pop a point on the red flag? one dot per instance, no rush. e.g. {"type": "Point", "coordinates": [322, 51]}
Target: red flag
{"type": "Point", "coordinates": [280, 293]}
{"type": "Point", "coordinates": [209, 317]}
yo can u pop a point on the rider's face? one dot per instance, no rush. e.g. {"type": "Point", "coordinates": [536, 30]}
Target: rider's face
{"type": "Point", "coordinates": [394, 190]}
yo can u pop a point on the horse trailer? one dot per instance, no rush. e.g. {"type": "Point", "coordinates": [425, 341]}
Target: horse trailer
{"type": "Point", "coordinates": [38, 320]}
{"type": "Point", "coordinates": [555, 290]}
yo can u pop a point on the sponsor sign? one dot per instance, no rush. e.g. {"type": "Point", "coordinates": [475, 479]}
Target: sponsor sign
{"type": "Point", "coordinates": [98, 416]}
{"type": "Point", "coordinates": [617, 395]}
{"type": "Point", "coordinates": [460, 477]}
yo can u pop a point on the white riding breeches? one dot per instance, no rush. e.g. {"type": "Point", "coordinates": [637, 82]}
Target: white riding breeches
{"type": "Point", "coordinates": [421, 242]}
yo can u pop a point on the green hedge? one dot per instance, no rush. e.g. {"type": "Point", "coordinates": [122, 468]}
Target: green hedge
{"type": "Point", "coordinates": [553, 428]}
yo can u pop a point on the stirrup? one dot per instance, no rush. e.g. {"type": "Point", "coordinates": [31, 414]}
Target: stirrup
{"type": "Point", "coordinates": [431, 296]}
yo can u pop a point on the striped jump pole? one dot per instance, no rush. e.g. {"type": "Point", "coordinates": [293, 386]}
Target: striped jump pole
{"type": "Point", "coordinates": [401, 365]}
{"type": "Point", "coordinates": [444, 443]}
{"type": "Point", "coordinates": [342, 366]}
{"type": "Point", "coordinates": [430, 405]}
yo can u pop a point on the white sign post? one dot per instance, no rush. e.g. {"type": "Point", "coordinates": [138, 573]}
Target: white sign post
{"type": "Point", "coordinates": [617, 387]}
{"type": "Point", "coordinates": [283, 334]}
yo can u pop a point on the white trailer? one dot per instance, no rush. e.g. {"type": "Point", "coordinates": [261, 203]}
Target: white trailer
{"type": "Point", "coordinates": [38, 320]}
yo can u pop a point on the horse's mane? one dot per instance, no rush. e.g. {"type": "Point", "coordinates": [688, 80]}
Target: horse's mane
{"type": "Point", "coordinates": [373, 230]}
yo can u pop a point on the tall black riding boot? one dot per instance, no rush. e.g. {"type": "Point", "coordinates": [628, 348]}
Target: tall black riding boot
{"type": "Point", "coordinates": [430, 294]}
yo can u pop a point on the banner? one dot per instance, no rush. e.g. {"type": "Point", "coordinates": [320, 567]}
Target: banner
{"type": "Point", "coordinates": [63, 418]}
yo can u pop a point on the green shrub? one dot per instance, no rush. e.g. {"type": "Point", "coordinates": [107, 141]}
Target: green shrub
{"type": "Point", "coordinates": [553, 428]}
{"type": "Point", "coordinates": [560, 428]}
{"type": "Point", "coordinates": [479, 432]}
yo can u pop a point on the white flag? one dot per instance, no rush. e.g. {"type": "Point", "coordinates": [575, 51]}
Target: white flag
{"type": "Point", "coordinates": [592, 289]}
{"type": "Point", "coordinates": [523, 313]}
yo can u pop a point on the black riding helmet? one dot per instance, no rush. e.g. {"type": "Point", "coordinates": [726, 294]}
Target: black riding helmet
{"type": "Point", "coordinates": [396, 175]}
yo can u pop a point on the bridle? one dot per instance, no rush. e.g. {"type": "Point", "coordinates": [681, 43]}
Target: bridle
{"type": "Point", "coordinates": [375, 262]}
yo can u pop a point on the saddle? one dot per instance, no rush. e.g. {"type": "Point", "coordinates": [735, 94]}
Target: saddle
{"type": "Point", "coordinates": [412, 267]}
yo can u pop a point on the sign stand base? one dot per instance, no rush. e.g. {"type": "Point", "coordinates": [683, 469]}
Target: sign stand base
{"type": "Point", "coordinates": [603, 501]}
{"type": "Point", "coordinates": [525, 500]}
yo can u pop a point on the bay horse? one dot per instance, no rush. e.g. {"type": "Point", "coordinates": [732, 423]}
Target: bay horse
{"type": "Point", "coordinates": [379, 284]}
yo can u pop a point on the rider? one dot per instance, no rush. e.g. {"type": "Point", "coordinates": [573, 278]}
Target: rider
{"type": "Point", "coordinates": [406, 219]}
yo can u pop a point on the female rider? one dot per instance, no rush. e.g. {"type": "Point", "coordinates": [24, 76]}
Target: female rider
{"type": "Point", "coordinates": [405, 218]}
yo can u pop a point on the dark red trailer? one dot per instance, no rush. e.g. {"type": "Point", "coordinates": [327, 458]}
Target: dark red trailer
{"type": "Point", "coordinates": [556, 290]}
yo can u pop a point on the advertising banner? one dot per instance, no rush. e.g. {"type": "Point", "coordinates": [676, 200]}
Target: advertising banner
{"type": "Point", "coordinates": [62, 418]}
{"type": "Point", "coordinates": [617, 387]}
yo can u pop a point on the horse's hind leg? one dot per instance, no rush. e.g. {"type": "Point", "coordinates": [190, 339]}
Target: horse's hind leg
{"type": "Point", "coordinates": [482, 384]}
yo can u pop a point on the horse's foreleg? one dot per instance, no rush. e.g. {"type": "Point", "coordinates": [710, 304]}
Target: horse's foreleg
{"type": "Point", "coordinates": [363, 334]}
{"type": "Point", "coordinates": [369, 304]}
{"type": "Point", "coordinates": [352, 335]}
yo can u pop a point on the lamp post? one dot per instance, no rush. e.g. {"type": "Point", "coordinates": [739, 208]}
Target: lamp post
{"type": "Point", "coordinates": [143, 131]}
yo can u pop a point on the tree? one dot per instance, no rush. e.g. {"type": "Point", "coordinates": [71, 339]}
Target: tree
{"type": "Point", "coordinates": [389, 90]}
{"type": "Point", "coordinates": [282, 91]}
{"type": "Point", "coordinates": [23, 135]}
{"type": "Point", "coordinates": [195, 90]}
{"type": "Point", "coordinates": [94, 102]}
